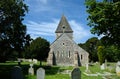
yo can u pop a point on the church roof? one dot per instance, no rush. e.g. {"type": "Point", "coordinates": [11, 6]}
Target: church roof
{"type": "Point", "coordinates": [63, 26]}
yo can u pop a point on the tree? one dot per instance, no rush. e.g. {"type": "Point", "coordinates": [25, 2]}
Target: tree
{"type": "Point", "coordinates": [91, 46]}
{"type": "Point", "coordinates": [112, 53]}
{"type": "Point", "coordinates": [101, 54]}
{"type": "Point", "coordinates": [104, 19]}
{"type": "Point", "coordinates": [12, 30]}
{"type": "Point", "coordinates": [38, 49]}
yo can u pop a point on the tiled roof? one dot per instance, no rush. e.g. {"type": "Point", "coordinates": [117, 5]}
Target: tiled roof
{"type": "Point", "coordinates": [63, 26]}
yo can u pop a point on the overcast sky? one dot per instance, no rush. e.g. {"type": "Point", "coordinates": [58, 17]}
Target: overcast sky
{"type": "Point", "coordinates": [44, 15]}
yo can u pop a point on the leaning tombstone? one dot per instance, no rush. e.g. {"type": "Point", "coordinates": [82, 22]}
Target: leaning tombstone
{"type": "Point", "coordinates": [31, 70]}
{"type": "Point", "coordinates": [76, 73]}
{"type": "Point", "coordinates": [118, 68]}
{"type": "Point", "coordinates": [16, 73]}
{"type": "Point", "coordinates": [40, 73]}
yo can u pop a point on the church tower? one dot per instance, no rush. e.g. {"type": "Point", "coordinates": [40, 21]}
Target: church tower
{"type": "Point", "coordinates": [64, 27]}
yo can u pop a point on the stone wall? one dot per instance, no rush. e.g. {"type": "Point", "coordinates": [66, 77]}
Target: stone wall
{"type": "Point", "coordinates": [64, 52]}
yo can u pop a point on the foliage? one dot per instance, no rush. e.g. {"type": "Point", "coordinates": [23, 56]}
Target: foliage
{"type": "Point", "coordinates": [91, 47]}
{"type": "Point", "coordinates": [38, 49]}
{"type": "Point", "coordinates": [101, 54]}
{"type": "Point", "coordinates": [12, 30]}
{"type": "Point", "coordinates": [112, 54]}
{"type": "Point", "coordinates": [104, 19]}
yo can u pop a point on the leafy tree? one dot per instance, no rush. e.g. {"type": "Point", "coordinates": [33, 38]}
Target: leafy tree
{"type": "Point", "coordinates": [101, 54]}
{"type": "Point", "coordinates": [91, 46]}
{"type": "Point", "coordinates": [104, 19]}
{"type": "Point", "coordinates": [112, 53]}
{"type": "Point", "coordinates": [12, 30]}
{"type": "Point", "coordinates": [38, 49]}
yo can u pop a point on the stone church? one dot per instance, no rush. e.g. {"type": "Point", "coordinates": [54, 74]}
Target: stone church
{"type": "Point", "coordinates": [64, 51]}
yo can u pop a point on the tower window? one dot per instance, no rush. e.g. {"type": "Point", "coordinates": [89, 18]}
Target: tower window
{"type": "Point", "coordinates": [63, 26]}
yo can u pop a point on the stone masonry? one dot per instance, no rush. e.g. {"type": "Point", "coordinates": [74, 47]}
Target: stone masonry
{"type": "Point", "coordinates": [64, 51]}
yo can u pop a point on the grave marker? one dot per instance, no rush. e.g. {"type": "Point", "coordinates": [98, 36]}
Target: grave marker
{"type": "Point", "coordinates": [40, 73]}
{"type": "Point", "coordinates": [76, 73]}
{"type": "Point", "coordinates": [31, 70]}
{"type": "Point", "coordinates": [17, 73]}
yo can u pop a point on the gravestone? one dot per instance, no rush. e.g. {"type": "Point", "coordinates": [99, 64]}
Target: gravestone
{"type": "Point", "coordinates": [76, 73]}
{"type": "Point", "coordinates": [31, 70]}
{"type": "Point", "coordinates": [16, 73]}
{"type": "Point", "coordinates": [118, 68]}
{"type": "Point", "coordinates": [87, 68]}
{"type": "Point", "coordinates": [105, 63]}
{"type": "Point", "coordinates": [40, 73]}
{"type": "Point", "coordinates": [103, 66]}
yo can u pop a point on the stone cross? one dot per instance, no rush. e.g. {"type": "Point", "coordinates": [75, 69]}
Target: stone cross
{"type": "Point", "coordinates": [31, 70]}
{"type": "Point", "coordinates": [40, 73]}
{"type": "Point", "coordinates": [87, 67]}
{"type": "Point", "coordinates": [16, 73]}
{"type": "Point", "coordinates": [76, 73]}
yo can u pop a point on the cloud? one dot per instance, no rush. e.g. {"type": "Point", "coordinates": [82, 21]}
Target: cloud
{"type": "Point", "coordinates": [43, 1]}
{"type": "Point", "coordinates": [37, 29]}
{"type": "Point", "coordinates": [79, 31]}
{"type": "Point", "coordinates": [36, 6]}
{"type": "Point", "coordinates": [47, 29]}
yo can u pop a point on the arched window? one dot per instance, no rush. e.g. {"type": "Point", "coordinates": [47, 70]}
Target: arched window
{"type": "Point", "coordinates": [69, 54]}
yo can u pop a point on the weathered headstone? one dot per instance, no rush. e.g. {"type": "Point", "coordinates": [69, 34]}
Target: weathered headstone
{"type": "Point", "coordinates": [16, 73]}
{"type": "Point", "coordinates": [40, 73]}
{"type": "Point", "coordinates": [103, 66]}
{"type": "Point", "coordinates": [76, 73]}
{"type": "Point", "coordinates": [31, 70]}
{"type": "Point", "coordinates": [118, 68]}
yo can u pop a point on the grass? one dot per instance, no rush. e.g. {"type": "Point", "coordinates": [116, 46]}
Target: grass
{"type": "Point", "coordinates": [51, 72]}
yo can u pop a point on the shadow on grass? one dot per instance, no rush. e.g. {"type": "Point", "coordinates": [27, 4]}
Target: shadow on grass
{"type": "Point", "coordinates": [5, 69]}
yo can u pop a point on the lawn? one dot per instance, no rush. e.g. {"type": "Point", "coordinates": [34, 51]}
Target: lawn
{"type": "Point", "coordinates": [53, 72]}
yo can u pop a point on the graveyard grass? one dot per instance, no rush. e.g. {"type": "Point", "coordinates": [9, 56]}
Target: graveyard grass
{"type": "Point", "coordinates": [54, 72]}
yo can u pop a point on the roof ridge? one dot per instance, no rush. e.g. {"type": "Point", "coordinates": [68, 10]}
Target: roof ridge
{"type": "Point", "coordinates": [63, 26]}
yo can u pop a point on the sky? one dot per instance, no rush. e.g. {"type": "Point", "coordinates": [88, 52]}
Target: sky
{"type": "Point", "coordinates": [43, 18]}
